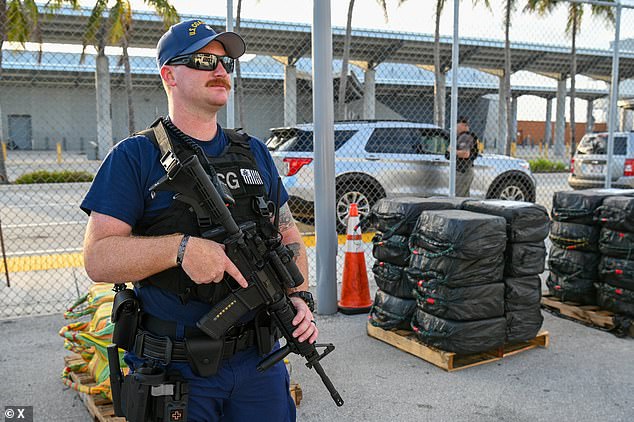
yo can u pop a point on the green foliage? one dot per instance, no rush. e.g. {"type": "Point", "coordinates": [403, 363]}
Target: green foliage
{"type": "Point", "coordinates": [543, 165]}
{"type": "Point", "coordinates": [43, 176]}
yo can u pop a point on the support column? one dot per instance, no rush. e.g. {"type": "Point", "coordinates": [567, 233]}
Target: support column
{"type": "Point", "coordinates": [104, 113]}
{"type": "Point", "coordinates": [501, 139]}
{"type": "Point", "coordinates": [3, 169]}
{"type": "Point", "coordinates": [548, 134]}
{"type": "Point", "coordinates": [622, 118]}
{"type": "Point", "coordinates": [290, 95]}
{"type": "Point", "coordinates": [589, 117]}
{"type": "Point", "coordinates": [369, 94]}
{"type": "Point", "coordinates": [514, 118]}
{"type": "Point", "coordinates": [560, 120]}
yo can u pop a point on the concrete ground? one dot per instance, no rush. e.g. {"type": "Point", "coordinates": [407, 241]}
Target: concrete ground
{"type": "Point", "coordinates": [585, 375]}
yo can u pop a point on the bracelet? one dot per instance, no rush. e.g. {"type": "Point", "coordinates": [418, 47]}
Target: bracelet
{"type": "Point", "coordinates": [181, 250]}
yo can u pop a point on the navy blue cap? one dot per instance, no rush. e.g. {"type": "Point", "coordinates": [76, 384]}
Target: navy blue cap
{"type": "Point", "coordinates": [190, 36]}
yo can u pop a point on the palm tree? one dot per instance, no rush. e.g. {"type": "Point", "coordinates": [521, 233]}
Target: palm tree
{"type": "Point", "coordinates": [439, 75]}
{"type": "Point", "coordinates": [345, 58]}
{"type": "Point", "coordinates": [20, 22]}
{"type": "Point", "coordinates": [119, 31]}
{"type": "Point", "coordinates": [573, 26]}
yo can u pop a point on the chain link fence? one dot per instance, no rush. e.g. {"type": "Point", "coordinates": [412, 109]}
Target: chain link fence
{"type": "Point", "coordinates": [61, 110]}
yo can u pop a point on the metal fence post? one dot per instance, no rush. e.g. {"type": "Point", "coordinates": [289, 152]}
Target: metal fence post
{"type": "Point", "coordinates": [614, 95]}
{"type": "Point", "coordinates": [231, 122]}
{"type": "Point", "coordinates": [454, 98]}
{"type": "Point", "coordinates": [324, 147]}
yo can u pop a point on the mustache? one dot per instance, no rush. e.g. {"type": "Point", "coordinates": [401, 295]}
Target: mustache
{"type": "Point", "coordinates": [219, 82]}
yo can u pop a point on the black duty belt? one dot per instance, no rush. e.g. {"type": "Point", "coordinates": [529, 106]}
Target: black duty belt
{"type": "Point", "coordinates": [156, 340]}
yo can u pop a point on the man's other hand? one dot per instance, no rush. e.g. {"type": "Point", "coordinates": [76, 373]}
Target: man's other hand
{"type": "Point", "coordinates": [304, 321]}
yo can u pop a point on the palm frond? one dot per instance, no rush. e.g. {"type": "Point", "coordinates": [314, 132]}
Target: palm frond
{"type": "Point", "coordinates": [383, 5]}
{"type": "Point", "coordinates": [17, 23]}
{"type": "Point", "coordinates": [165, 10]}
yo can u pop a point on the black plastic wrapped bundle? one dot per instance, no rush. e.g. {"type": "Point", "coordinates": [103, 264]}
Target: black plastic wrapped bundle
{"type": "Point", "coordinates": [615, 299]}
{"type": "Point", "coordinates": [616, 243]}
{"type": "Point", "coordinates": [393, 249]}
{"type": "Point", "coordinates": [524, 324]}
{"type": "Point", "coordinates": [392, 279]}
{"type": "Point", "coordinates": [617, 272]}
{"type": "Point", "coordinates": [391, 312]}
{"type": "Point", "coordinates": [459, 234]}
{"type": "Point", "coordinates": [522, 292]}
{"type": "Point", "coordinates": [525, 258]}
{"type": "Point", "coordinates": [399, 215]}
{"type": "Point", "coordinates": [526, 222]}
{"type": "Point", "coordinates": [573, 262]}
{"type": "Point", "coordinates": [461, 303]}
{"type": "Point", "coordinates": [579, 206]}
{"type": "Point", "coordinates": [463, 337]}
{"type": "Point", "coordinates": [453, 272]}
{"type": "Point", "coordinates": [571, 288]}
{"type": "Point", "coordinates": [617, 213]}
{"type": "Point", "coordinates": [579, 237]}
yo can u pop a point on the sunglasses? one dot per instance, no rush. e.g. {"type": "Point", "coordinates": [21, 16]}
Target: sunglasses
{"type": "Point", "coordinates": [204, 61]}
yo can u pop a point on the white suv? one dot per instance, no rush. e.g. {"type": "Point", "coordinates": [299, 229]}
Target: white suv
{"type": "Point", "coordinates": [375, 159]}
{"type": "Point", "coordinates": [588, 166]}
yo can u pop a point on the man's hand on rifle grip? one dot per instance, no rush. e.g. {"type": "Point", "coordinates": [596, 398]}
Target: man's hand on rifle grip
{"type": "Point", "coordinates": [205, 261]}
{"type": "Point", "coordinates": [304, 321]}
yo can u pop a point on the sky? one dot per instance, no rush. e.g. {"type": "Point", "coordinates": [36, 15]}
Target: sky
{"type": "Point", "coordinates": [417, 16]}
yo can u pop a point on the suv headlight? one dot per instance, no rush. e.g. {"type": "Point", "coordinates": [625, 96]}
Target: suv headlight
{"type": "Point", "coordinates": [525, 165]}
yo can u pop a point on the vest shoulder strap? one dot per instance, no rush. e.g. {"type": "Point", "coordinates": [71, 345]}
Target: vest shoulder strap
{"type": "Point", "coordinates": [157, 134]}
{"type": "Point", "coordinates": [237, 136]}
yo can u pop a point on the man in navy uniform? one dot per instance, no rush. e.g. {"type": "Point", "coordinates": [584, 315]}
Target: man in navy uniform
{"type": "Point", "coordinates": [154, 241]}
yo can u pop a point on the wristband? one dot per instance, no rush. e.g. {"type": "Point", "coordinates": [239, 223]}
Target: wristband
{"type": "Point", "coordinates": [181, 250]}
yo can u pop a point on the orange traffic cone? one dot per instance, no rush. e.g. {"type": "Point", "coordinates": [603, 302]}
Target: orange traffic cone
{"type": "Point", "coordinates": [355, 291]}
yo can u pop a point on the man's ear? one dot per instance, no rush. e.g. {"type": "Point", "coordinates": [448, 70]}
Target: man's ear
{"type": "Point", "coordinates": [167, 74]}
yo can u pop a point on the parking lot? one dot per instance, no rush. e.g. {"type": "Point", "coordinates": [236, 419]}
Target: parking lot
{"type": "Point", "coordinates": [585, 375]}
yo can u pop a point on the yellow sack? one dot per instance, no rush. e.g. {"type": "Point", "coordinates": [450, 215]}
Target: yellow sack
{"type": "Point", "coordinates": [90, 339]}
{"type": "Point", "coordinates": [98, 294]}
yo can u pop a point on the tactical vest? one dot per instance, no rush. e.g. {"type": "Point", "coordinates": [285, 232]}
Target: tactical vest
{"type": "Point", "coordinates": [236, 166]}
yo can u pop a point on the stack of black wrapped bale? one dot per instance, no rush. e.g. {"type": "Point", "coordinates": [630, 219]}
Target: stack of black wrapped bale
{"type": "Point", "coordinates": [457, 266]}
{"type": "Point", "coordinates": [527, 226]}
{"type": "Point", "coordinates": [574, 257]}
{"type": "Point", "coordinates": [394, 219]}
{"type": "Point", "coordinates": [615, 290]}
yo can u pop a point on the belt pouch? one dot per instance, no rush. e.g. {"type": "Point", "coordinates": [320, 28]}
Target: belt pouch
{"type": "Point", "coordinates": [204, 354]}
{"type": "Point", "coordinates": [125, 316]}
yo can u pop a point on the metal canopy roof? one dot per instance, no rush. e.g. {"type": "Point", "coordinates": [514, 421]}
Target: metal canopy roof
{"type": "Point", "coordinates": [57, 69]}
{"type": "Point", "coordinates": [373, 47]}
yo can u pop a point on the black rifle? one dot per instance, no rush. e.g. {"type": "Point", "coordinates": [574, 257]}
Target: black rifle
{"type": "Point", "coordinates": [266, 264]}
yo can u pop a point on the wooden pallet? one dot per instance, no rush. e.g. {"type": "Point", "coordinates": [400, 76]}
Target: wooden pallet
{"type": "Point", "coordinates": [102, 410]}
{"type": "Point", "coordinates": [450, 361]}
{"type": "Point", "coordinates": [588, 314]}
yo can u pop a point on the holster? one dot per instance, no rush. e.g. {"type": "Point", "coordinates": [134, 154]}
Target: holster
{"type": "Point", "coordinates": [266, 333]}
{"type": "Point", "coordinates": [126, 311]}
{"type": "Point", "coordinates": [152, 394]}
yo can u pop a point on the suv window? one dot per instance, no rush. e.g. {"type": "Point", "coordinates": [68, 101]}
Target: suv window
{"type": "Point", "coordinates": [406, 140]}
{"type": "Point", "coordinates": [598, 144]}
{"type": "Point", "coordinates": [297, 140]}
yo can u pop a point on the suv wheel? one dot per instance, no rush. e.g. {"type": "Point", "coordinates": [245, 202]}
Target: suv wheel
{"type": "Point", "coordinates": [512, 189]}
{"type": "Point", "coordinates": [362, 191]}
